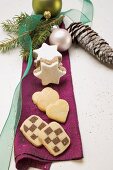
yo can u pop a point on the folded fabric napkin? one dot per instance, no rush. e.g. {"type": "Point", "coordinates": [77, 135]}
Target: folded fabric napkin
{"type": "Point", "coordinates": [27, 155]}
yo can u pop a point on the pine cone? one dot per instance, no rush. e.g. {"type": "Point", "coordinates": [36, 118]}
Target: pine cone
{"type": "Point", "coordinates": [92, 42]}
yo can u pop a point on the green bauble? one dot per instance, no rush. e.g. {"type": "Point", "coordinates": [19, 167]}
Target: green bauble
{"type": "Point", "coordinates": [40, 6]}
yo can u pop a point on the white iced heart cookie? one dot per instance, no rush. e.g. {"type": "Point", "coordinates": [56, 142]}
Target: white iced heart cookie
{"type": "Point", "coordinates": [58, 111]}
{"type": "Point", "coordinates": [44, 98]}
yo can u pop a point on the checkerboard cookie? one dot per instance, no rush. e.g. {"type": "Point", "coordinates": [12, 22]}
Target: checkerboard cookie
{"type": "Point", "coordinates": [45, 97]}
{"type": "Point", "coordinates": [31, 128]}
{"type": "Point", "coordinates": [54, 138]}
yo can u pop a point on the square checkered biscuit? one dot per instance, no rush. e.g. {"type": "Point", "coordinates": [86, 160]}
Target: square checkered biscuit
{"type": "Point", "coordinates": [31, 128]}
{"type": "Point", "coordinates": [54, 138]}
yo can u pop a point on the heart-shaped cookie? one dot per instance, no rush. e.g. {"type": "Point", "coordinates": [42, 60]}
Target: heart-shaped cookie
{"type": "Point", "coordinates": [35, 97]}
{"type": "Point", "coordinates": [58, 111]}
{"type": "Point", "coordinates": [44, 98]}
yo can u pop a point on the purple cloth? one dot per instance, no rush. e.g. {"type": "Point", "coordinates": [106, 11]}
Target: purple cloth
{"type": "Point", "coordinates": [27, 155]}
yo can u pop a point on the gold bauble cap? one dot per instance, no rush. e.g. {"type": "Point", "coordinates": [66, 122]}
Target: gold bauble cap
{"type": "Point", "coordinates": [47, 15]}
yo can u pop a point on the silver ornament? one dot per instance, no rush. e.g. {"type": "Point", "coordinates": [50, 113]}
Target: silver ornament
{"type": "Point", "coordinates": [61, 38]}
{"type": "Point", "coordinates": [54, 27]}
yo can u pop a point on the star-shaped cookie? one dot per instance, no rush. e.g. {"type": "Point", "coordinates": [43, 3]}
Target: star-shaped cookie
{"type": "Point", "coordinates": [49, 73]}
{"type": "Point", "coordinates": [47, 52]}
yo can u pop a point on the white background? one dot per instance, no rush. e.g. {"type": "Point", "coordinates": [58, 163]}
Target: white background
{"type": "Point", "coordinates": [93, 85]}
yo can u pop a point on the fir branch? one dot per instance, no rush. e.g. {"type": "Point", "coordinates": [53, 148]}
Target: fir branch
{"type": "Point", "coordinates": [40, 37]}
{"type": "Point", "coordinates": [24, 54]}
{"type": "Point", "coordinates": [18, 19]}
{"type": "Point", "coordinates": [9, 26]}
{"type": "Point", "coordinates": [49, 23]}
{"type": "Point", "coordinates": [12, 25]}
{"type": "Point", "coordinates": [9, 43]}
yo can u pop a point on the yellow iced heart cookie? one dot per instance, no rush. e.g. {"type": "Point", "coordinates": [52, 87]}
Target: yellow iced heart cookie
{"type": "Point", "coordinates": [58, 111]}
{"type": "Point", "coordinates": [45, 97]}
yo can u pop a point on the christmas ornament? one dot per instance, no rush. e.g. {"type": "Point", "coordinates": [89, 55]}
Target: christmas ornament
{"type": "Point", "coordinates": [54, 27]}
{"type": "Point", "coordinates": [54, 6]}
{"type": "Point", "coordinates": [92, 42]}
{"type": "Point", "coordinates": [47, 15]}
{"type": "Point", "coordinates": [47, 52]}
{"type": "Point", "coordinates": [61, 38]}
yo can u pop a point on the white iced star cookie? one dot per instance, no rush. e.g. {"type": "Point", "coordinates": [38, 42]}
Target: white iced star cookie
{"type": "Point", "coordinates": [47, 52]}
{"type": "Point", "coordinates": [49, 73]}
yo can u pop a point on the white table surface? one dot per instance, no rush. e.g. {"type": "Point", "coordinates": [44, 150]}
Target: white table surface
{"type": "Point", "coordinates": [93, 86]}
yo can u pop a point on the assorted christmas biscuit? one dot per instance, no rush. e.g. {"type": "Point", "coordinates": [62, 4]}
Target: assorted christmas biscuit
{"type": "Point", "coordinates": [58, 111]}
{"type": "Point", "coordinates": [35, 97]}
{"type": "Point", "coordinates": [48, 65]}
{"type": "Point", "coordinates": [51, 135]}
{"type": "Point", "coordinates": [44, 98]}
{"type": "Point", "coordinates": [31, 128]}
{"type": "Point", "coordinates": [47, 52]}
{"type": "Point", "coordinates": [54, 138]}
{"type": "Point", "coordinates": [49, 73]}
{"type": "Point", "coordinates": [48, 101]}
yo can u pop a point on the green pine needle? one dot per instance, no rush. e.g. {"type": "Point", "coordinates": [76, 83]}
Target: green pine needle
{"type": "Point", "coordinates": [12, 25]}
{"type": "Point", "coordinates": [9, 43]}
{"type": "Point", "coordinates": [49, 23]}
{"type": "Point", "coordinates": [18, 19]}
{"type": "Point", "coordinates": [40, 37]}
{"type": "Point", "coordinates": [24, 54]}
{"type": "Point", "coordinates": [9, 26]}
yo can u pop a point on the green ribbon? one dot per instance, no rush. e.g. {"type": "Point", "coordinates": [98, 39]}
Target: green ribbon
{"type": "Point", "coordinates": [8, 132]}
{"type": "Point", "coordinates": [88, 11]}
{"type": "Point", "coordinates": [9, 129]}
{"type": "Point", "coordinates": [86, 16]}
